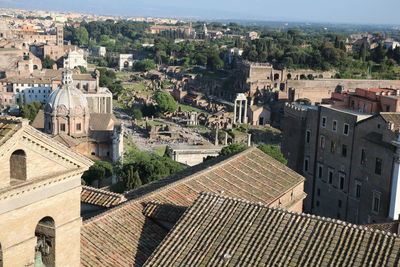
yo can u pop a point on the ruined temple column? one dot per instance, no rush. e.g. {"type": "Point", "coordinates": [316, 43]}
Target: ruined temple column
{"type": "Point", "coordinates": [240, 111]}
{"type": "Point", "coordinates": [226, 138]}
{"type": "Point", "coordinates": [245, 112]}
{"type": "Point", "coordinates": [234, 112]}
{"type": "Point", "coordinates": [248, 139]}
{"type": "Point", "coordinates": [216, 137]}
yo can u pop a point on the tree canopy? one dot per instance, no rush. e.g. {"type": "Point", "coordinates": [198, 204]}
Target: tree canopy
{"type": "Point", "coordinates": [144, 65]}
{"type": "Point", "coordinates": [29, 111]}
{"type": "Point", "coordinates": [99, 170]}
{"type": "Point", "coordinates": [165, 102]}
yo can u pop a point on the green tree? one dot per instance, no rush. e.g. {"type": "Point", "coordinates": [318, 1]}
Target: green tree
{"type": "Point", "coordinates": [137, 114]}
{"type": "Point", "coordinates": [273, 151]}
{"type": "Point", "coordinates": [130, 177]}
{"type": "Point", "coordinates": [99, 170]}
{"type": "Point", "coordinates": [233, 148]}
{"type": "Point", "coordinates": [47, 62]}
{"type": "Point", "coordinates": [214, 62]}
{"type": "Point", "coordinates": [82, 36]}
{"type": "Point", "coordinates": [165, 102]}
{"type": "Point", "coordinates": [145, 65]}
{"type": "Point", "coordinates": [29, 111]}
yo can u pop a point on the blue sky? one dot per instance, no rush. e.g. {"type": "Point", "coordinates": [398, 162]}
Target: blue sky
{"type": "Point", "coordinates": [345, 11]}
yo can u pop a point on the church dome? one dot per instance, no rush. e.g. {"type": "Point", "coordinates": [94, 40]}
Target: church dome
{"type": "Point", "coordinates": [67, 110]}
{"type": "Point", "coordinates": [67, 98]}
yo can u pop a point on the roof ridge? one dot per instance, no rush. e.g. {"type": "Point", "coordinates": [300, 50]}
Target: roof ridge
{"type": "Point", "coordinates": [163, 188]}
{"type": "Point", "coordinates": [311, 216]}
{"type": "Point", "coordinates": [94, 189]}
{"type": "Point", "coordinates": [61, 148]}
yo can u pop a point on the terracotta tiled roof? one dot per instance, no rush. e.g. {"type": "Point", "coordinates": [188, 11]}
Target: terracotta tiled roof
{"type": "Point", "coordinates": [99, 197]}
{"type": "Point", "coordinates": [38, 122]}
{"type": "Point", "coordinates": [124, 236]}
{"type": "Point", "coordinates": [8, 126]}
{"type": "Point", "coordinates": [102, 121]}
{"type": "Point", "coordinates": [163, 212]}
{"type": "Point", "coordinates": [393, 118]}
{"type": "Point", "coordinates": [223, 231]}
{"type": "Point", "coordinates": [392, 227]}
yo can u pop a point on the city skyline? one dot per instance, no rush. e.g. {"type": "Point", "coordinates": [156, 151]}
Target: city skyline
{"type": "Point", "coordinates": [355, 11]}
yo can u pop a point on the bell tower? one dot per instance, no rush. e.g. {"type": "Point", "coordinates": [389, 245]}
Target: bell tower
{"type": "Point", "coordinates": [60, 35]}
{"type": "Point", "coordinates": [40, 191]}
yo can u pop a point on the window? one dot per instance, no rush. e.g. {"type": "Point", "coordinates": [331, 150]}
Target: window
{"type": "Point", "coordinates": [306, 161]}
{"type": "Point", "coordinates": [378, 166]}
{"type": "Point", "coordinates": [308, 135]}
{"type": "Point", "coordinates": [333, 146]}
{"type": "Point", "coordinates": [320, 171]}
{"type": "Point", "coordinates": [62, 127]}
{"type": "Point", "coordinates": [346, 128]}
{"type": "Point", "coordinates": [341, 181]}
{"type": "Point", "coordinates": [339, 203]}
{"type": "Point", "coordinates": [330, 176]}
{"type": "Point", "coordinates": [344, 150]}
{"type": "Point", "coordinates": [379, 126]}
{"type": "Point", "coordinates": [322, 141]}
{"type": "Point", "coordinates": [323, 122]}
{"type": "Point", "coordinates": [318, 192]}
{"type": "Point", "coordinates": [376, 202]}
{"type": "Point", "coordinates": [358, 189]}
{"type": "Point", "coordinates": [78, 127]}
{"type": "Point", "coordinates": [334, 126]}
{"type": "Point", "coordinates": [363, 156]}
{"type": "Point", "coordinates": [317, 203]}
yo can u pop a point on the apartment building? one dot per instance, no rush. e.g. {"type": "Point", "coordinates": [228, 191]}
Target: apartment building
{"type": "Point", "coordinates": [348, 156]}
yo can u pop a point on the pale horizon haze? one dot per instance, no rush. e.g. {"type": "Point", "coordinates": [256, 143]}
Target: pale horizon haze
{"type": "Point", "coordinates": [339, 11]}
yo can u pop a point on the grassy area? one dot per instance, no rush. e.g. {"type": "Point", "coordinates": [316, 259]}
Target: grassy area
{"type": "Point", "coordinates": [129, 145]}
{"type": "Point", "coordinates": [189, 108]}
{"type": "Point", "coordinates": [160, 150]}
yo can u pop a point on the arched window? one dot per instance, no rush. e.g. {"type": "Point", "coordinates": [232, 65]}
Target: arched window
{"type": "Point", "coordinates": [126, 64]}
{"type": "Point", "coordinates": [276, 76]}
{"type": "Point", "coordinates": [18, 165]}
{"type": "Point", "coordinates": [1, 257]}
{"type": "Point", "coordinates": [289, 76]}
{"type": "Point", "coordinates": [45, 245]}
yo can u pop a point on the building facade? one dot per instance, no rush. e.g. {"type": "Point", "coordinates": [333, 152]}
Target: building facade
{"type": "Point", "coordinates": [348, 158]}
{"type": "Point", "coordinates": [40, 191]}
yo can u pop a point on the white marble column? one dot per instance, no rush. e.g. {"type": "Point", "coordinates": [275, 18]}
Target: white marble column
{"type": "Point", "coordinates": [245, 112]}
{"type": "Point", "coordinates": [240, 111]}
{"type": "Point", "coordinates": [234, 112]}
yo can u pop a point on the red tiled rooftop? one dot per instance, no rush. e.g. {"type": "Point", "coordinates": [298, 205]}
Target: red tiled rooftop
{"type": "Point", "coordinates": [124, 236]}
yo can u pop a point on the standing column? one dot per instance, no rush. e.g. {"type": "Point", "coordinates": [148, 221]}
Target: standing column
{"type": "Point", "coordinates": [245, 111]}
{"type": "Point", "coordinates": [394, 209]}
{"type": "Point", "coordinates": [234, 112]}
{"type": "Point", "coordinates": [240, 111]}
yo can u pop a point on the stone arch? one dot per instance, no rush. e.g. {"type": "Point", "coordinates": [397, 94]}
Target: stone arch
{"type": "Point", "coordinates": [35, 67]}
{"type": "Point", "coordinates": [18, 165]}
{"type": "Point", "coordinates": [45, 244]}
{"type": "Point", "coordinates": [289, 76]}
{"type": "Point", "coordinates": [276, 76]}
{"type": "Point", "coordinates": [126, 64]}
{"type": "Point", "coordinates": [303, 77]}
